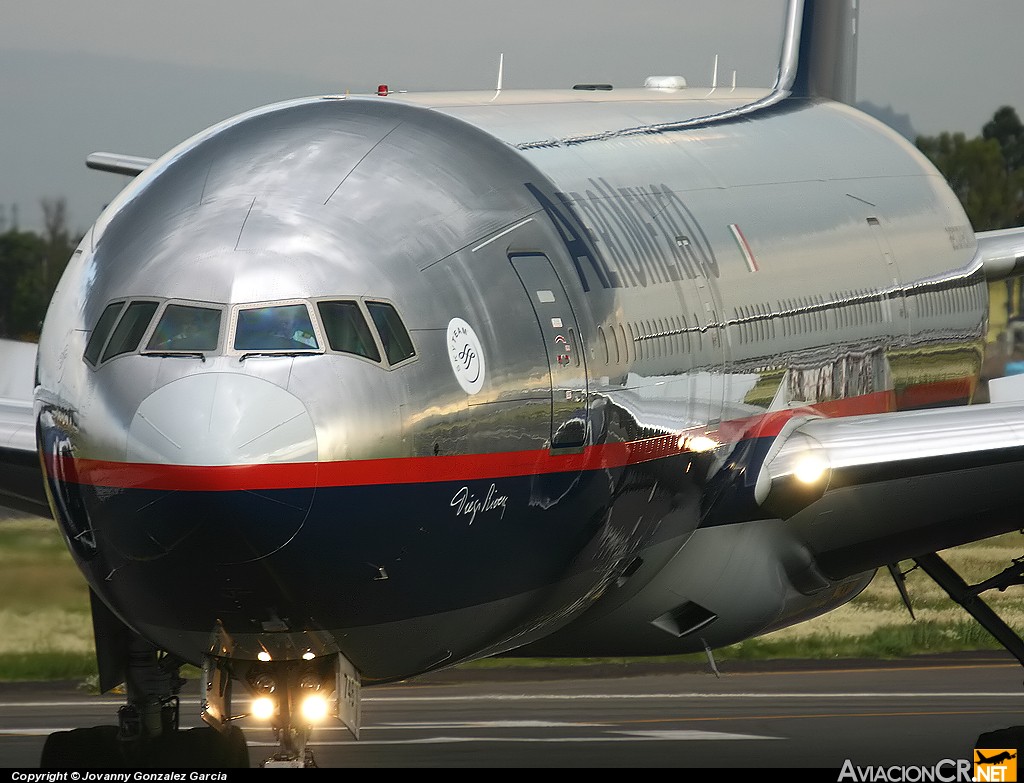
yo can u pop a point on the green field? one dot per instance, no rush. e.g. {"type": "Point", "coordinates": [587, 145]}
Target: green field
{"type": "Point", "coordinates": [47, 631]}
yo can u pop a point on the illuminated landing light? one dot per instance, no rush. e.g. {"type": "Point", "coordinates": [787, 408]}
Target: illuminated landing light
{"type": "Point", "coordinates": [698, 443]}
{"type": "Point", "coordinates": [314, 708]}
{"type": "Point", "coordinates": [811, 469]}
{"type": "Point", "coordinates": [308, 656]}
{"type": "Point", "coordinates": [263, 708]}
{"type": "Point", "coordinates": [263, 655]}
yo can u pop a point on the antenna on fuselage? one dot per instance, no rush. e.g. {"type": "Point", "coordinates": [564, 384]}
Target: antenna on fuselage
{"type": "Point", "coordinates": [714, 75]}
{"type": "Point", "coordinates": [501, 70]}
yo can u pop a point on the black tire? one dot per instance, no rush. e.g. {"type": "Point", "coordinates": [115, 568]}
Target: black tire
{"type": "Point", "coordinates": [201, 748]}
{"type": "Point", "coordinates": [91, 748]}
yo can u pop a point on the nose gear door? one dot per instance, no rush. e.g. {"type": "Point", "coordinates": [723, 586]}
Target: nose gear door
{"type": "Point", "coordinates": [567, 368]}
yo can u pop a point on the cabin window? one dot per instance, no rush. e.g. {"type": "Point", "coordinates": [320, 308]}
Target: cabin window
{"type": "Point", "coordinates": [102, 331]}
{"type": "Point", "coordinates": [285, 328]}
{"type": "Point", "coordinates": [128, 333]}
{"type": "Point", "coordinates": [347, 330]}
{"type": "Point", "coordinates": [397, 343]}
{"type": "Point", "coordinates": [186, 328]}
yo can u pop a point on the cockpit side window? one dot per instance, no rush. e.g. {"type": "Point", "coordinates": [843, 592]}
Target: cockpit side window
{"type": "Point", "coordinates": [130, 328]}
{"type": "Point", "coordinates": [186, 328]}
{"type": "Point", "coordinates": [393, 334]}
{"type": "Point", "coordinates": [102, 332]}
{"type": "Point", "coordinates": [276, 328]}
{"type": "Point", "coordinates": [347, 330]}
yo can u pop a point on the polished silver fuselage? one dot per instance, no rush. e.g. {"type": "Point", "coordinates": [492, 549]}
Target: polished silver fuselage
{"type": "Point", "coordinates": [704, 282]}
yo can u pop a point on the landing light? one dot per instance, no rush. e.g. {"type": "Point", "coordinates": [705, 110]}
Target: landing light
{"type": "Point", "coordinates": [263, 708]}
{"type": "Point", "coordinates": [263, 655]}
{"type": "Point", "coordinates": [308, 656]}
{"type": "Point", "coordinates": [810, 469]}
{"type": "Point", "coordinates": [314, 708]}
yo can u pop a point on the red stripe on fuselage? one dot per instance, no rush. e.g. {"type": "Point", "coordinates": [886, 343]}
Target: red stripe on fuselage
{"type": "Point", "coordinates": [459, 467]}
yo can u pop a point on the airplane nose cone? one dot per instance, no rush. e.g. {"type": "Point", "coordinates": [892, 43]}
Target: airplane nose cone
{"type": "Point", "coordinates": [227, 467]}
{"type": "Point", "coordinates": [221, 419]}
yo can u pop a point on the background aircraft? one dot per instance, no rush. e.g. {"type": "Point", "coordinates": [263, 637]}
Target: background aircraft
{"type": "Point", "coordinates": [345, 390]}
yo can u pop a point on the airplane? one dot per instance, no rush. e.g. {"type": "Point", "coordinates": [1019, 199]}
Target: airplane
{"type": "Point", "coordinates": [349, 389]}
{"type": "Point", "coordinates": [1001, 756]}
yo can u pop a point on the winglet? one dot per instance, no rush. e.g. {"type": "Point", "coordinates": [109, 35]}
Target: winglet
{"type": "Point", "coordinates": [118, 164]}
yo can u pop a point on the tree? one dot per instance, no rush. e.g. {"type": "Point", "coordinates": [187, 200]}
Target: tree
{"type": "Point", "coordinates": [30, 267]}
{"type": "Point", "coordinates": [21, 287]}
{"type": "Point", "coordinates": [987, 175]}
{"type": "Point", "coordinates": [978, 174]}
{"type": "Point", "coordinates": [1006, 128]}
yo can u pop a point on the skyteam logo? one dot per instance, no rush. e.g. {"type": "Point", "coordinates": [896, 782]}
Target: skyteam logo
{"type": "Point", "coordinates": [466, 356]}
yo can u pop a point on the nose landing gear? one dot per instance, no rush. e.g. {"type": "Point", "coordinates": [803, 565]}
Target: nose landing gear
{"type": "Point", "coordinates": [292, 696]}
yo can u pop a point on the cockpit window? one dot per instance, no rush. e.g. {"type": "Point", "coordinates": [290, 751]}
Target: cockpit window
{"type": "Point", "coordinates": [279, 328]}
{"type": "Point", "coordinates": [186, 328]}
{"type": "Point", "coordinates": [347, 330]}
{"type": "Point", "coordinates": [372, 330]}
{"type": "Point", "coordinates": [396, 340]}
{"type": "Point", "coordinates": [130, 328]}
{"type": "Point", "coordinates": [102, 332]}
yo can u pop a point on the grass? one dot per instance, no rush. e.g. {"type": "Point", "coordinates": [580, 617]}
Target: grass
{"type": "Point", "coordinates": [47, 628]}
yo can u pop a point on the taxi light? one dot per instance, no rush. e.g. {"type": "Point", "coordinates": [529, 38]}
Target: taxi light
{"type": "Point", "coordinates": [308, 656]}
{"type": "Point", "coordinates": [264, 684]}
{"type": "Point", "coordinates": [263, 708]}
{"type": "Point", "coordinates": [263, 655]}
{"type": "Point", "coordinates": [314, 708]}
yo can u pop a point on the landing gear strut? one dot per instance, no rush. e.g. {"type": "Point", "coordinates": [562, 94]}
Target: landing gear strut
{"type": "Point", "coordinates": [969, 597]}
{"type": "Point", "coordinates": [147, 734]}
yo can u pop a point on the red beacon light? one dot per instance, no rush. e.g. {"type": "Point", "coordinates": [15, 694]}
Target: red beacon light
{"type": "Point", "coordinates": [382, 89]}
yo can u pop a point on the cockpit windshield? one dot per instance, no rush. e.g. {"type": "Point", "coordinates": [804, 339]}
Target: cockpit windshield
{"type": "Point", "coordinates": [371, 329]}
{"type": "Point", "coordinates": [185, 328]}
{"type": "Point", "coordinates": [277, 328]}
{"type": "Point", "coordinates": [347, 330]}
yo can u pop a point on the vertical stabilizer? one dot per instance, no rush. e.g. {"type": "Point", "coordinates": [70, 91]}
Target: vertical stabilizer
{"type": "Point", "coordinates": [827, 57]}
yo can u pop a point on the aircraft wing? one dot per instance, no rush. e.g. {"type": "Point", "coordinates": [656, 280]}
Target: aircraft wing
{"type": "Point", "coordinates": [1001, 252]}
{"type": "Point", "coordinates": [21, 478]}
{"type": "Point", "coordinates": [868, 491]}
{"type": "Point", "coordinates": [116, 163]}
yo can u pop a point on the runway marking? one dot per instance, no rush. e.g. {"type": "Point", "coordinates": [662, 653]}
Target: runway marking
{"type": "Point", "coordinates": [691, 695]}
{"type": "Point", "coordinates": [592, 697]}
{"type": "Point", "coordinates": [689, 734]}
{"type": "Point", "coordinates": [485, 724]}
{"type": "Point", "coordinates": [530, 724]}
{"type": "Point", "coordinates": [797, 716]}
{"type": "Point", "coordinates": [639, 736]}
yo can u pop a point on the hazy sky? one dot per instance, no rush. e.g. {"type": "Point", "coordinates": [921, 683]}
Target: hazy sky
{"type": "Point", "coordinates": [137, 76]}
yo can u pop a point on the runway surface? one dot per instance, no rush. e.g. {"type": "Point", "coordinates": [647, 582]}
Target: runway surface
{"type": "Point", "coordinates": [792, 714]}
